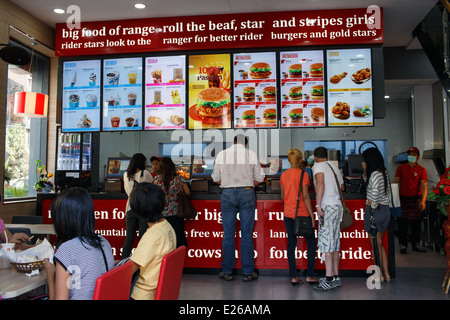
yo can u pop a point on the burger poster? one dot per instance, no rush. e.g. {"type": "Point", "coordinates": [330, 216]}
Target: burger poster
{"type": "Point", "coordinates": [209, 91]}
{"type": "Point", "coordinates": [349, 80]}
{"type": "Point", "coordinates": [122, 94]}
{"type": "Point", "coordinates": [302, 89]}
{"type": "Point", "coordinates": [81, 95]}
{"type": "Point", "coordinates": [165, 93]}
{"type": "Point", "coordinates": [255, 90]}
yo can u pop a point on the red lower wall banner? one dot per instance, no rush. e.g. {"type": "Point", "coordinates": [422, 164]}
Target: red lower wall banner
{"type": "Point", "coordinates": [204, 235]}
{"type": "Point", "coordinates": [243, 30]}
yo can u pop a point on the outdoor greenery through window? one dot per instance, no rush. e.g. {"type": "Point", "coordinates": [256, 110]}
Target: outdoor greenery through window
{"type": "Point", "coordinates": [25, 138]}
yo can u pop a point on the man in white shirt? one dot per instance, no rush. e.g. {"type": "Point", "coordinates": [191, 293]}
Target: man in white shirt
{"type": "Point", "coordinates": [329, 208]}
{"type": "Point", "coordinates": [237, 171]}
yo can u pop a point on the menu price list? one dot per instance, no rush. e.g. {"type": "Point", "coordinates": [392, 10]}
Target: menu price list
{"type": "Point", "coordinates": [81, 92]}
{"type": "Point", "coordinates": [122, 94]}
{"type": "Point", "coordinates": [302, 89]}
{"type": "Point", "coordinates": [255, 90]}
{"type": "Point", "coordinates": [349, 87]}
{"type": "Point", "coordinates": [165, 92]}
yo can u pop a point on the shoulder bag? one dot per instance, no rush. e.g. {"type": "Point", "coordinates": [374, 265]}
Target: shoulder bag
{"type": "Point", "coordinates": [372, 226]}
{"type": "Point", "coordinates": [347, 219]}
{"type": "Point", "coordinates": [302, 225]}
{"type": "Point", "coordinates": [186, 209]}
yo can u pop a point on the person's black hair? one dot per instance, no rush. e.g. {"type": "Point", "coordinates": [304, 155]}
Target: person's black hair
{"type": "Point", "coordinates": [240, 138]}
{"type": "Point", "coordinates": [321, 153]}
{"type": "Point", "coordinates": [138, 161]}
{"type": "Point", "coordinates": [147, 201]}
{"type": "Point", "coordinates": [168, 172]}
{"type": "Point", "coordinates": [375, 162]}
{"type": "Point", "coordinates": [73, 216]}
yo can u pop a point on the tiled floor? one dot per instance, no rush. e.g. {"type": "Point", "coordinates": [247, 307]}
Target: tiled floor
{"type": "Point", "coordinates": [419, 277]}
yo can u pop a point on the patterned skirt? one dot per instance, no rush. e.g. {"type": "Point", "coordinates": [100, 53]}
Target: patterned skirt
{"type": "Point", "coordinates": [410, 207]}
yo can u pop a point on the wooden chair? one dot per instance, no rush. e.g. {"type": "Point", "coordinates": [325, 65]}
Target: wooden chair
{"type": "Point", "coordinates": [115, 284]}
{"type": "Point", "coordinates": [170, 275]}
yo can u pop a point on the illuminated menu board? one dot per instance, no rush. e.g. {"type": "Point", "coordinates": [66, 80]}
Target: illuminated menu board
{"type": "Point", "coordinates": [255, 90]}
{"type": "Point", "coordinates": [122, 94]}
{"type": "Point", "coordinates": [209, 91]}
{"type": "Point", "coordinates": [165, 93]}
{"type": "Point", "coordinates": [81, 92]}
{"type": "Point", "coordinates": [302, 89]}
{"type": "Point", "coordinates": [349, 79]}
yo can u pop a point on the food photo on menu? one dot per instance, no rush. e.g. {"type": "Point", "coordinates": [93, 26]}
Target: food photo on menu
{"type": "Point", "coordinates": [209, 91]}
{"type": "Point", "coordinates": [165, 88]}
{"type": "Point", "coordinates": [255, 90]}
{"type": "Point", "coordinates": [302, 89]}
{"type": "Point", "coordinates": [81, 92]}
{"type": "Point", "coordinates": [122, 94]}
{"type": "Point", "coordinates": [349, 77]}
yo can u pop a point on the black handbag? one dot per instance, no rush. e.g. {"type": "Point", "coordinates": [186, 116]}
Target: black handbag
{"type": "Point", "coordinates": [372, 226]}
{"type": "Point", "coordinates": [302, 225]}
{"type": "Point", "coordinates": [186, 209]}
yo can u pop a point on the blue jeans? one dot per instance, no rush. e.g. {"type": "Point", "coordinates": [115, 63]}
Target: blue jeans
{"type": "Point", "coordinates": [236, 200]}
{"type": "Point", "coordinates": [292, 245]}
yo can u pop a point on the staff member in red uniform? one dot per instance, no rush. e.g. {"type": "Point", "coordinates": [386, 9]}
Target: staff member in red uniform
{"type": "Point", "coordinates": [412, 178]}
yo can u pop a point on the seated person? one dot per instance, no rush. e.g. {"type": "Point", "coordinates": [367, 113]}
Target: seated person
{"type": "Point", "coordinates": [19, 238]}
{"type": "Point", "coordinates": [147, 201]}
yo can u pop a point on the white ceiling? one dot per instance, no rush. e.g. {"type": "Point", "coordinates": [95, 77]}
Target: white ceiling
{"type": "Point", "coordinates": [400, 16]}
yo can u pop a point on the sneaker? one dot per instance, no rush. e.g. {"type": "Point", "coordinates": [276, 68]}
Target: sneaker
{"type": "Point", "coordinates": [225, 276]}
{"type": "Point", "coordinates": [336, 282]}
{"type": "Point", "coordinates": [324, 286]}
{"type": "Point", "coordinates": [250, 277]}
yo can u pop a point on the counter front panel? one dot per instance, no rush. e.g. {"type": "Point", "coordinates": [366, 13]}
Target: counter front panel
{"type": "Point", "coordinates": [205, 233]}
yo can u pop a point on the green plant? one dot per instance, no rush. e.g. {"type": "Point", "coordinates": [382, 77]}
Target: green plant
{"type": "Point", "coordinates": [441, 193]}
{"type": "Point", "coordinates": [42, 181]}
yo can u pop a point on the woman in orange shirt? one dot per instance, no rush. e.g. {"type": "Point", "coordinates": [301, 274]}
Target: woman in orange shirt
{"type": "Point", "coordinates": [290, 180]}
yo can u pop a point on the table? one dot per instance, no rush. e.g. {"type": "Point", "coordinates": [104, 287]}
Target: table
{"type": "Point", "coordinates": [14, 284]}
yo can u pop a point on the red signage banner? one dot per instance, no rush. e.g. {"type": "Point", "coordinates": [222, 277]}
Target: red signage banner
{"type": "Point", "coordinates": [205, 234]}
{"type": "Point", "coordinates": [244, 30]}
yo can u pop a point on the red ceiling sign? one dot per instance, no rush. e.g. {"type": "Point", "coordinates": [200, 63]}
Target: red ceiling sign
{"type": "Point", "coordinates": [272, 29]}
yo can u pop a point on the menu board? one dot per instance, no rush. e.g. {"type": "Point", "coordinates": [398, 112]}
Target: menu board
{"type": "Point", "coordinates": [209, 91]}
{"type": "Point", "coordinates": [122, 94]}
{"type": "Point", "coordinates": [302, 89]}
{"type": "Point", "coordinates": [349, 79]}
{"type": "Point", "coordinates": [165, 93]}
{"type": "Point", "coordinates": [81, 92]}
{"type": "Point", "coordinates": [255, 90]}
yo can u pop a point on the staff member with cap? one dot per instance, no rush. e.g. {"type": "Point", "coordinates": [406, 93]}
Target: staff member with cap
{"type": "Point", "coordinates": [156, 166]}
{"type": "Point", "coordinates": [237, 171]}
{"type": "Point", "coordinates": [412, 179]}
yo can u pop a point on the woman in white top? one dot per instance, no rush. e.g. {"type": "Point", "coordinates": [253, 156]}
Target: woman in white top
{"type": "Point", "coordinates": [377, 202]}
{"type": "Point", "coordinates": [136, 173]}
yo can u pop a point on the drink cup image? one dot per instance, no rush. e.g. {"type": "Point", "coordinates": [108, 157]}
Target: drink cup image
{"type": "Point", "coordinates": [113, 78]}
{"type": "Point", "coordinates": [129, 121]}
{"type": "Point", "coordinates": [115, 122]}
{"type": "Point", "coordinates": [132, 77]}
{"type": "Point", "coordinates": [91, 101]}
{"type": "Point", "coordinates": [136, 120]}
{"type": "Point", "coordinates": [132, 98]}
{"type": "Point", "coordinates": [74, 101]}
{"type": "Point", "coordinates": [4, 261]}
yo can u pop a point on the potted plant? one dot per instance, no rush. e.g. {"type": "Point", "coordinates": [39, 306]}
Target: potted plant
{"type": "Point", "coordinates": [43, 184]}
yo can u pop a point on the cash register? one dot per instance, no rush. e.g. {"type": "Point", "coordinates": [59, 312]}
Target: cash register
{"type": "Point", "coordinates": [115, 168]}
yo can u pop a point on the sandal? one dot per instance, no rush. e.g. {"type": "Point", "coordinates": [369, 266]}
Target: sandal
{"type": "Point", "coordinates": [296, 282]}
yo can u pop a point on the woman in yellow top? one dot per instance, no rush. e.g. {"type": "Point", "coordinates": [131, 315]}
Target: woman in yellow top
{"type": "Point", "coordinates": [290, 180]}
{"type": "Point", "coordinates": [147, 201]}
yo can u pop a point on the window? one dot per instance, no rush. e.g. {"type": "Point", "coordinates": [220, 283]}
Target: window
{"type": "Point", "coordinates": [25, 138]}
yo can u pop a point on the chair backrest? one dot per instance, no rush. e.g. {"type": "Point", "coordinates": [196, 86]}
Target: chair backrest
{"type": "Point", "coordinates": [170, 274]}
{"type": "Point", "coordinates": [27, 220]}
{"type": "Point", "coordinates": [114, 284]}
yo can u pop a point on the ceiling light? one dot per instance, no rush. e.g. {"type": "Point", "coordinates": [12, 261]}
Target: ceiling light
{"type": "Point", "coordinates": [140, 6]}
{"type": "Point", "coordinates": [59, 11]}
{"type": "Point", "coordinates": [386, 97]}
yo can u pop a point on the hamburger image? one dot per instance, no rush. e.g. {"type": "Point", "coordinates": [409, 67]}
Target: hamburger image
{"type": "Point", "coordinates": [317, 114]}
{"type": "Point", "coordinates": [249, 93]}
{"type": "Point", "coordinates": [316, 70]}
{"type": "Point", "coordinates": [213, 103]}
{"type": "Point", "coordinates": [260, 70]}
{"type": "Point", "coordinates": [269, 93]}
{"type": "Point", "coordinates": [295, 70]}
{"type": "Point", "coordinates": [317, 92]}
{"type": "Point", "coordinates": [270, 115]}
{"type": "Point", "coordinates": [296, 115]}
{"type": "Point", "coordinates": [295, 93]}
{"type": "Point", "coordinates": [248, 117]}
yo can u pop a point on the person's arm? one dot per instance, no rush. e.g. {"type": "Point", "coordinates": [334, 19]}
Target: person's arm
{"type": "Point", "coordinates": [186, 189]}
{"type": "Point", "coordinates": [17, 238]}
{"type": "Point", "coordinates": [424, 189]}
{"type": "Point", "coordinates": [396, 180]}
{"type": "Point", "coordinates": [57, 281]}
{"type": "Point", "coordinates": [320, 187]}
{"type": "Point", "coordinates": [306, 198]}
{"type": "Point", "coordinates": [282, 192]}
